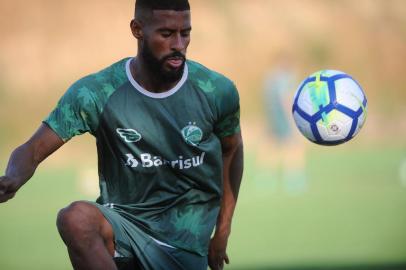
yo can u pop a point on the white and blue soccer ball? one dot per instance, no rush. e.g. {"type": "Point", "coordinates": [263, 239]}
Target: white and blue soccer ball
{"type": "Point", "coordinates": [329, 107]}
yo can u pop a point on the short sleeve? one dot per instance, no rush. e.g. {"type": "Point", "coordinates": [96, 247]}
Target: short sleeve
{"type": "Point", "coordinates": [76, 112]}
{"type": "Point", "coordinates": [228, 106]}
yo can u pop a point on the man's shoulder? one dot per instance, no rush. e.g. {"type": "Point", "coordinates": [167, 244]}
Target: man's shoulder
{"type": "Point", "coordinates": [106, 80]}
{"type": "Point", "coordinates": [199, 73]}
{"type": "Point", "coordinates": [96, 88]}
{"type": "Point", "coordinates": [216, 87]}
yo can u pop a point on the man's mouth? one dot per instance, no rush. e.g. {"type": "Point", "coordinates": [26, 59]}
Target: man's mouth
{"type": "Point", "coordinates": [175, 62]}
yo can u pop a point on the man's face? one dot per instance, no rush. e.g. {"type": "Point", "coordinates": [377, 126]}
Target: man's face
{"type": "Point", "coordinates": [166, 37]}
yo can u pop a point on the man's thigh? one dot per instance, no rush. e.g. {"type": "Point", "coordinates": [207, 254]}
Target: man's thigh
{"type": "Point", "coordinates": [157, 257]}
{"type": "Point", "coordinates": [135, 249]}
{"type": "Point", "coordinates": [187, 259]}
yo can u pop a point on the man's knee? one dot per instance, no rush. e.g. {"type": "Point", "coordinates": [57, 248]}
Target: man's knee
{"type": "Point", "coordinates": [76, 219]}
{"type": "Point", "coordinates": [82, 225]}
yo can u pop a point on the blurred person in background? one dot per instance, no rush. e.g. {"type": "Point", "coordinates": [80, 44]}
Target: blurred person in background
{"type": "Point", "coordinates": [169, 149]}
{"type": "Point", "coordinates": [402, 172]}
{"type": "Point", "coordinates": [284, 152]}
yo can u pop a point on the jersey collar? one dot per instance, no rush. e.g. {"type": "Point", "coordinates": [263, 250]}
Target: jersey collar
{"type": "Point", "coordinates": [145, 92]}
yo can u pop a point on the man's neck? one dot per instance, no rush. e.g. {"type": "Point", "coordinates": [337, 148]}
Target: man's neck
{"type": "Point", "coordinates": [147, 79]}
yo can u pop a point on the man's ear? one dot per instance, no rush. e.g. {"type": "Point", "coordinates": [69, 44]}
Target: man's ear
{"type": "Point", "coordinates": [136, 29]}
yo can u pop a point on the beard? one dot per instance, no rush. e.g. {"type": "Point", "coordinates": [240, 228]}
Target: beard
{"type": "Point", "coordinates": [156, 68]}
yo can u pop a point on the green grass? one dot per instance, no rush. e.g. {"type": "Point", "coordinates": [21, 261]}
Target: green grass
{"type": "Point", "coordinates": [352, 214]}
{"type": "Point", "coordinates": [28, 235]}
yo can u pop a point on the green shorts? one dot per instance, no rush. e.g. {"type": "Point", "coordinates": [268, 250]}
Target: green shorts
{"type": "Point", "coordinates": [137, 250]}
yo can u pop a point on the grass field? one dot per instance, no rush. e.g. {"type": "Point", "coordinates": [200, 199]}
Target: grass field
{"type": "Point", "coordinates": [352, 215]}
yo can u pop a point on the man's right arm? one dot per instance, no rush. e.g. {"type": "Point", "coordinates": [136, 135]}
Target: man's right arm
{"type": "Point", "coordinates": [25, 159]}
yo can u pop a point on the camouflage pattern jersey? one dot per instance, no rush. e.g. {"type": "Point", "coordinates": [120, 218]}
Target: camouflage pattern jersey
{"type": "Point", "coordinates": [159, 154]}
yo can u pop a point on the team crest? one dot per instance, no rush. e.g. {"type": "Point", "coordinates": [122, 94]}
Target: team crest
{"type": "Point", "coordinates": [129, 135]}
{"type": "Point", "coordinates": [192, 134]}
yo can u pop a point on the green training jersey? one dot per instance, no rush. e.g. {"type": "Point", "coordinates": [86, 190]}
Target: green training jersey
{"type": "Point", "coordinates": [159, 154]}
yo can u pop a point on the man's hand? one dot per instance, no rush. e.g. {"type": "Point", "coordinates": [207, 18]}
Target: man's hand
{"type": "Point", "coordinates": [8, 188]}
{"type": "Point", "coordinates": [25, 159]}
{"type": "Point", "coordinates": [217, 252]}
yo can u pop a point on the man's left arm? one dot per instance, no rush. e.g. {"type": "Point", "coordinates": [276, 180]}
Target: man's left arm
{"type": "Point", "coordinates": [233, 161]}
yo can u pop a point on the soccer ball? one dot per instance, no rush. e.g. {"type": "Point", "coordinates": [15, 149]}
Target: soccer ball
{"type": "Point", "coordinates": [329, 107]}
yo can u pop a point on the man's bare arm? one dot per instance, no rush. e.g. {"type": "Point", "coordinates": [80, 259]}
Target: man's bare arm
{"type": "Point", "coordinates": [25, 159]}
{"type": "Point", "coordinates": [233, 163]}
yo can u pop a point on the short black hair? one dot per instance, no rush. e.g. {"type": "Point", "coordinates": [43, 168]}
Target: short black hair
{"type": "Point", "coordinates": [177, 5]}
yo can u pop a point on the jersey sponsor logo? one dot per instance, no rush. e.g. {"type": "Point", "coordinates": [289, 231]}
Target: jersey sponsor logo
{"type": "Point", "coordinates": [192, 134]}
{"type": "Point", "coordinates": [129, 135]}
{"type": "Point", "coordinates": [147, 160]}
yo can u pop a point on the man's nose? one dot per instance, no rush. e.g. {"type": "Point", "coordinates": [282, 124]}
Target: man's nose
{"type": "Point", "coordinates": [178, 43]}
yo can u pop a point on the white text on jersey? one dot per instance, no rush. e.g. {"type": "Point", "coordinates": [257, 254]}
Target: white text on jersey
{"type": "Point", "coordinates": [148, 161]}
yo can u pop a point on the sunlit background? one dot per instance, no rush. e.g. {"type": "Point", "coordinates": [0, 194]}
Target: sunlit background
{"type": "Point", "coordinates": [301, 206]}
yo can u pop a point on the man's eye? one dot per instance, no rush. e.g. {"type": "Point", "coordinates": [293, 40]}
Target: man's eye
{"type": "Point", "coordinates": [185, 34]}
{"type": "Point", "coordinates": [166, 33]}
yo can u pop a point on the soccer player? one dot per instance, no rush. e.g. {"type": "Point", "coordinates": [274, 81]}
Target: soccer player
{"type": "Point", "coordinates": [169, 148]}
{"type": "Point", "coordinates": [288, 159]}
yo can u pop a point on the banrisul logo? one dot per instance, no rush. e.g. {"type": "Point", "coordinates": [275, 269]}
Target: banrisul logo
{"type": "Point", "coordinates": [147, 160]}
{"type": "Point", "coordinates": [192, 134]}
{"type": "Point", "coordinates": [129, 135]}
